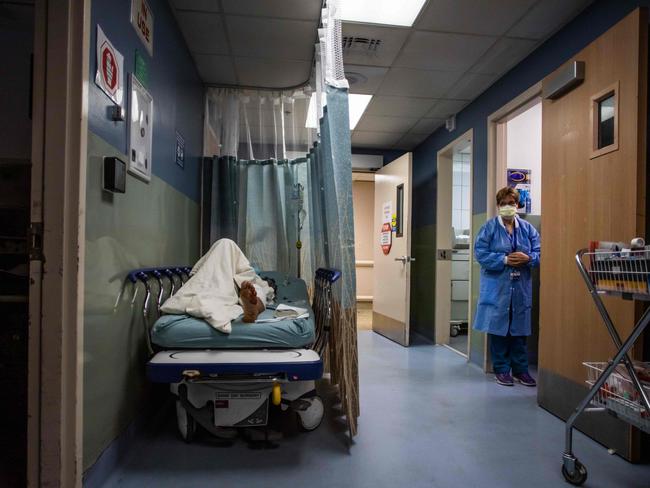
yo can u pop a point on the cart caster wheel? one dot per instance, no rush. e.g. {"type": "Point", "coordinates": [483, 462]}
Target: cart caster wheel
{"type": "Point", "coordinates": [310, 418]}
{"type": "Point", "coordinates": [186, 423]}
{"type": "Point", "coordinates": [579, 475]}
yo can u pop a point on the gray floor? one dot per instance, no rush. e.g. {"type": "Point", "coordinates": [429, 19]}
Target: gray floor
{"type": "Point", "coordinates": [459, 343]}
{"type": "Point", "coordinates": [428, 420]}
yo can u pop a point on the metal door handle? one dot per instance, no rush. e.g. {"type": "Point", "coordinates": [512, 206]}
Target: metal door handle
{"type": "Point", "coordinates": [405, 259]}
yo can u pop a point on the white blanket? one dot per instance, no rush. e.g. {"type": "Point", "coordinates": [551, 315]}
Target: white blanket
{"type": "Point", "coordinates": [212, 293]}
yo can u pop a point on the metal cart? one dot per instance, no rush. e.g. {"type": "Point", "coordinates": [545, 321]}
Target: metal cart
{"type": "Point", "coordinates": [614, 386]}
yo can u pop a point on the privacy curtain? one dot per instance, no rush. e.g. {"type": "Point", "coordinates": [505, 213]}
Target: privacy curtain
{"type": "Point", "coordinates": [288, 210]}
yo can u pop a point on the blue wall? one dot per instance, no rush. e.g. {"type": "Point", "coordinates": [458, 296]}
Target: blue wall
{"type": "Point", "coordinates": [587, 26]}
{"type": "Point", "coordinates": [174, 84]}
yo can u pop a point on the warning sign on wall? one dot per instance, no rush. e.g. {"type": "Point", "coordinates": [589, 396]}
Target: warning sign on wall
{"type": "Point", "coordinates": [386, 238]}
{"type": "Point", "coordinates": [142, 21]}
{"type": "Point", "coordinates": [110, 68]}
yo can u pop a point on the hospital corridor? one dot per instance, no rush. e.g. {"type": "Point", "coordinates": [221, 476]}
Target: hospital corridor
{"type": "Point", "coordinates": [325, 243]}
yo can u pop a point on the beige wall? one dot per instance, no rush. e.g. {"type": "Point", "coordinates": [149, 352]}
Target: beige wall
{"type": "Point", "coordinates": [363, 194]}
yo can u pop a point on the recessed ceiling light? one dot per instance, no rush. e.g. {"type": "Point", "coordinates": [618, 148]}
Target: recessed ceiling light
{"type": "Point", "coordinates": [357, 105]}
{"type": "Point", "coordinates": [389, 12]}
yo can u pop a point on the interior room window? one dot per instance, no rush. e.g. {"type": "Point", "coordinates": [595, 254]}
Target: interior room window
{"type": "Point", "coordinates": [604, 117]}
{"type": "Point", "coordinates": [399, 230]}
{"type": "Point", "coordinates": [606, 122]}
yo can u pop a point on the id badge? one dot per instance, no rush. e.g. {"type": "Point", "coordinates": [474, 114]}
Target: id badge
{"type": "Point", "coordinates": [515, 274]}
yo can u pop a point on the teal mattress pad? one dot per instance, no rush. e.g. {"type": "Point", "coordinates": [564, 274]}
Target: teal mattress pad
{"type": "Point", "coordinates": [186, 332]}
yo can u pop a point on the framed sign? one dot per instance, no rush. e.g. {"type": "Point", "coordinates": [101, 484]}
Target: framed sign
{"type": "Point", "coordinates": [180, 150]}
{"type": "Point", "coordinates": [140, 130]}
{"type": "Point", "coordinates": [142, 22]}
{"type": "Point", "coordinates": [110, 68]}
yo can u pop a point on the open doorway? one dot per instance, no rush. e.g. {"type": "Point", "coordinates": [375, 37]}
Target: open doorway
{"type": "Point", "coordinates": [363, 195]}
{"type": "Point", "coordinates": [515, 159]}
{"type": "Point", "coordinates": [453, 243]}
{"type": "Point", "coordinates": [17, 31]}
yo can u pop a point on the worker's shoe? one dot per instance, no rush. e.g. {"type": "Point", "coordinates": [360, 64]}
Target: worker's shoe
{"type": "Point", "coordinates": [504, 379]}
{"type": "Point", "coordinates": [525, 379]}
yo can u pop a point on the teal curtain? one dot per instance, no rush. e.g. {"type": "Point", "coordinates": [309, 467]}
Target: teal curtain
{"type": "Point", "coordinates": [296, 216]}
{"type": "Point", "coordinates": [261, 205]}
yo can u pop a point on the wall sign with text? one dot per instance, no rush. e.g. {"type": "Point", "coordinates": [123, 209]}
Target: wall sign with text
{"type": "Point", "coordinates": [142, 21]}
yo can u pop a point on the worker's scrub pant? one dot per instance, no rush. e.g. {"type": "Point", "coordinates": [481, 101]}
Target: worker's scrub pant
{"type": "Point", "coordinates": [509, 352]}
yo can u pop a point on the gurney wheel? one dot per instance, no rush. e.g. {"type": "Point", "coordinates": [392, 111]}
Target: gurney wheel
{"type": "Point", "coordinates": [186, 423]}
{"type": "Point", "coordinates": [578, 477]}
{"type": "Point", "coordinates": [310, 418]}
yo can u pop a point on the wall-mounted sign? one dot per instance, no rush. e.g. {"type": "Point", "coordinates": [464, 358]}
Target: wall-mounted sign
{"type": "Point", "coordinates": [110, 68]}
{"type": "Point", "coordinates": [386, 212]}
{"type": "Point", "coordinates": [141, 130]}
{"type": "Point", "coordinates": [142, 21]}
{"type": "Point", "coordinates": [519, 179]}
{"type": "Point", "coordinates": [386, 237]}
{"type": "Point", "coordinates": [180, 150]}
{"type": "Point", "coordinates": [140, 69]}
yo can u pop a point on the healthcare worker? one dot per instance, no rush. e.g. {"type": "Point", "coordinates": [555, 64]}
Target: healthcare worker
{"type": "Point", "coordinates": [507, 247]}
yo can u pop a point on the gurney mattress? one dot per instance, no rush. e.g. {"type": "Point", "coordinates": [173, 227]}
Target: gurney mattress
{"type": "Point", "coordinates": [185, 332]}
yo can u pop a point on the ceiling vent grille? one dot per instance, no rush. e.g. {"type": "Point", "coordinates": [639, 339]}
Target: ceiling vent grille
{"type": "Point", "coordinates": [361, 45]}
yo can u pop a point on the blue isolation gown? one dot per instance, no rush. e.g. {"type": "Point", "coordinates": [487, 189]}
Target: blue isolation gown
{"type": "Point", "coordinates": [498, 291]}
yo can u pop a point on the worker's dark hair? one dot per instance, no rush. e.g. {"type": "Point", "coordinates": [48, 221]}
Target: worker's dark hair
{"type": "Point", "coordinates": [506, 192]}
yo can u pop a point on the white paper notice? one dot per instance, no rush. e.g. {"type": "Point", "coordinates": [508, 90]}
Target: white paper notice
{"type": "Point", "coordinates": [387, 212]}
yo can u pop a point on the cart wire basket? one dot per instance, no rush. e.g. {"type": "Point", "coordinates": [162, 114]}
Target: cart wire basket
{"type": "Point", "coordinates": [618, 395]}
{"type": "Point", "coordinates": [614, 386]}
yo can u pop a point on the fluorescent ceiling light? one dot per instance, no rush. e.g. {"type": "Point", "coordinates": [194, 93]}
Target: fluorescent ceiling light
{"type": "Point", "coordinates": [312, 113]}
{"type": "Point", "coordinates": [358, 104]}
{"type": "Point", "coordinates": [389, 12]}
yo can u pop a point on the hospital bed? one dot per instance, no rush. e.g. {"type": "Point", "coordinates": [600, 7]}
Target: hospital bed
{"type": "Point", "coordinates": [223, 381]}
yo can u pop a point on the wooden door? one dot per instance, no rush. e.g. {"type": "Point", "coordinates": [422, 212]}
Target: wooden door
{"type": "Point", "coordinates": [590, 195]}
{"type": "Point", "coordinates": [391, 303]}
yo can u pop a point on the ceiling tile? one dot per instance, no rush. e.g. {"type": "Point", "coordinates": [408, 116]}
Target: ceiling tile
{"type": "Point", "coordinates": [443, 52]}
{"type": "Point", "coordinates": [427, 126]}
{"type": "Point", "coordinates": [547, 17]}
{"type": "Point", "coordinates": [272, 73]}
{"type": "Point", "coordinates": [410, 141]}
{"type": "Point", "coordinates": [287, 9]}
{"type": "Point", "coordinates": [364, 79]}
{"type": "Point", "coordinates": [379, 123]}
{"type": "Point", "coordinates": [271, 38]}
{"type": "Point", "coordinates": [446, 108]}
{"type": "Point", "coordinates": [399, 106]}
{"type": "Point", "coordinates": [392, 40]}
{"type": "Point", "coordinates": [203, 32]}
{"type": "Point", "coordinates": [383, 140]}
{"type": "Point", "coordinates": [202, 5]}
{"type": "Point", "coordinates": [417, 83]}
{"type": "Point", "coordinates": [505, 54]}
{"type": "Point", "coordinates": [488, 17]}
{"type": "Point", "coordinates": [214, 69]}
{"type": "Point", "coordinates": [471, 85]}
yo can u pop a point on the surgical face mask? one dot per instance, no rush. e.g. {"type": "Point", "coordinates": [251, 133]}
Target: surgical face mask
{"type": "Point", "coordinates": [508, 211]}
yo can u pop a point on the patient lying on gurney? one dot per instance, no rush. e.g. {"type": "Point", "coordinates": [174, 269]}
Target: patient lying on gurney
{"type": "Point", "coordinates": [222, 287]}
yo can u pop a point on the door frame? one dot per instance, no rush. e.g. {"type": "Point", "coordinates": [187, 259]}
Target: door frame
{"type": "Point", "coordinates": [442, 316]}
{"type": "Point", "coordinates": [496, 165]}
{"type": "Point", "coordinates": [57, 238]}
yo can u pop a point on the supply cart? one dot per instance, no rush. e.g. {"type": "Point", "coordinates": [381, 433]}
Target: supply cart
{"type": "Point", "coordinates": [615, 386]}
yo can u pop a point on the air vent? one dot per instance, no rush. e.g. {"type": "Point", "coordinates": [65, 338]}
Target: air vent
{"type": "Point", "coordinates": [352, 44]}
